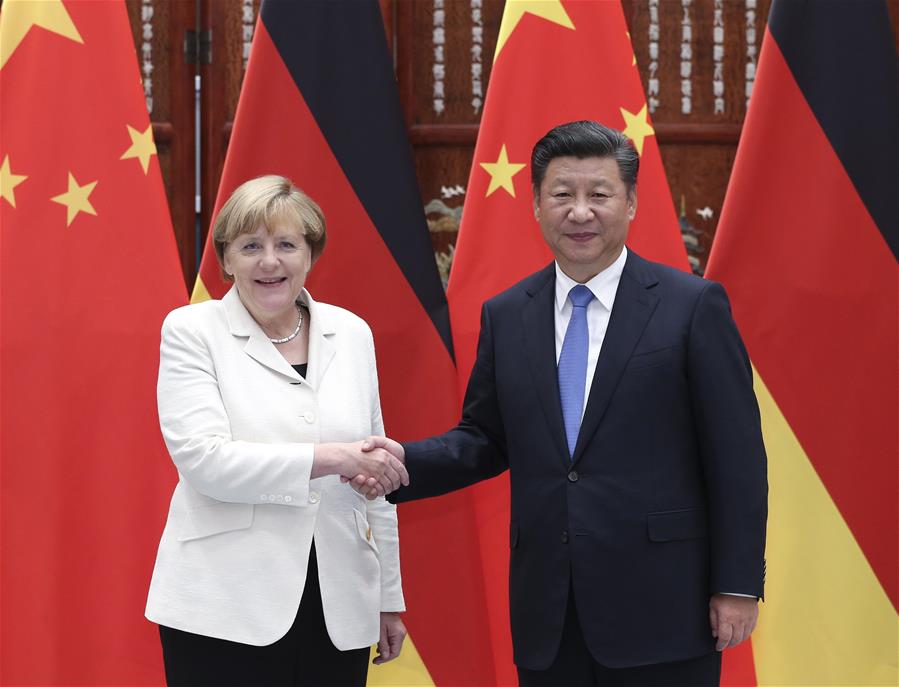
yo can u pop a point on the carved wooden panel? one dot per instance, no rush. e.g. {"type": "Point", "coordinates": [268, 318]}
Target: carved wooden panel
{"type": "Point", "coordinates": [695, 59]}
{"type": "Point", "coordinates": [697, 62]}
{"type": "Point", "coordinates": [158, 27]}
{"type": "Point", "coordinates": [692, 56]}
{"type": "Point", "coordinates": [232, 24]}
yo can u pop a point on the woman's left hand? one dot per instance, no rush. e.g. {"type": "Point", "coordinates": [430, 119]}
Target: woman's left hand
{"type": "Point", "coordinates": [393, 632]}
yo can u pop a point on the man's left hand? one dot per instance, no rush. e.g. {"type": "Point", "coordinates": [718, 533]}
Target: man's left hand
{"type": "Point", "coordinates": [733, 619]}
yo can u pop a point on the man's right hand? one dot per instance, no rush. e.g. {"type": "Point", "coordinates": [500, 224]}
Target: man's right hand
{"type": "Point", "coordinates": [366, 485]}
{"type": "Point", "coordinates": [380, 470]}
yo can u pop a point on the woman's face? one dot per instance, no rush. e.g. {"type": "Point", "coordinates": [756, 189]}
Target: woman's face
{"type": "Point", "coordinates": [269, 268]}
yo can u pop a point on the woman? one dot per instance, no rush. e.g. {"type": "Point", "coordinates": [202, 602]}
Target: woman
{"type": "Point", "coordinates": [270, 571]}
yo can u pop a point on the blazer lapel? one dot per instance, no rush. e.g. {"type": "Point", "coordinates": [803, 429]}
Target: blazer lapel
{"type": "Point", "coordinates": [634, 304]}
{"type": "Point", "coordinates": [258, 346]}
{"type": "Point", "coordinates": [321, 348]}
{"type": "Point", "coordinates": [540, 343]}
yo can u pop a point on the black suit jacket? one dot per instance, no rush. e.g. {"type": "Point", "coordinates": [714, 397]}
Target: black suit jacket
{"type": "Point", "coordinates": [665, 499]}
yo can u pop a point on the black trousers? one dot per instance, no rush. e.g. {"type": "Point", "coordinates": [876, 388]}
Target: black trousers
{"type": "Point", "coordinates": [304, 657]}
{"type": "Point", "coordinates": [574, 666]}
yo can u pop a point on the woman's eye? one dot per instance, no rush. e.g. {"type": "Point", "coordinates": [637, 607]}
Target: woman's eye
{"type": "Point", "coordinates": [250, 246]}
{"type": "Point", "coordinates": [289, 245]}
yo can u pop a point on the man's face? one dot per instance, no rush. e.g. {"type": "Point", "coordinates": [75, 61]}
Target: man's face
{"type": "Point", "coordinates": [584, 211]}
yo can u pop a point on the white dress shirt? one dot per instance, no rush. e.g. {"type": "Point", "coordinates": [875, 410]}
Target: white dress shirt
{"type": "Point", "coordinates": [604, 287]}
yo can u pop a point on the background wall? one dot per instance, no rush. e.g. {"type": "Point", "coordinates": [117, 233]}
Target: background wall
{"type": "Point", "coordinates": [696, 58]}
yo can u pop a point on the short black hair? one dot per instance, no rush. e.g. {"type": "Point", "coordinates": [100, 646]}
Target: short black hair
{"type": "Point", "coordinates": [584, 139]}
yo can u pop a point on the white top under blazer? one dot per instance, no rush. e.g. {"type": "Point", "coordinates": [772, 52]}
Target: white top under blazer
{"type": "Point", "coordinates": [240, 425]}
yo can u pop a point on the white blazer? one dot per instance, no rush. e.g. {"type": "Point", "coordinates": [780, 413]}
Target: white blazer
{"type": "Point", "coordinates": [240, 424]}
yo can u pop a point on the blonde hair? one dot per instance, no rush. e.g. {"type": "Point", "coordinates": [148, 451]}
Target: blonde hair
{"type": "Point", "coordinates": [264, 201]}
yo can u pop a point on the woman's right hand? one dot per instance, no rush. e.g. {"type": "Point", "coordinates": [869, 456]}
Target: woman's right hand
{"type": "Point", "coordinates": [384, 472]}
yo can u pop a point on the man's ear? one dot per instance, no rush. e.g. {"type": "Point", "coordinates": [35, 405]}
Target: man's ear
{"type": "Point", "coordinates": [536, 209]}
{"type": "Point", "coordinates": [632, 203]}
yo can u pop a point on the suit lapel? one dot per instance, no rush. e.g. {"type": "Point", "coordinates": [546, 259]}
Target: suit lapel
{"type": "Point", "coordinates": [258, 346]}
{"type": "Point", "coordinates": [321, 348]}
{"type": "Point", "coordinates": [264, 352]}
{"type": "Point", "coordinates": [540, 343]}
{"type": "Point", "coordinates": [634, 304]}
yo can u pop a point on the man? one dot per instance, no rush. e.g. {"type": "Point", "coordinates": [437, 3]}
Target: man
{"type": "Point", "coordinates": [619, 395]}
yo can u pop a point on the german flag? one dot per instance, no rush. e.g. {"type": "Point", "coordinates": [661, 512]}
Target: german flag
{"type": "Point", "coordinates": [319, 105]}
{"type": "Point", "coordinates": [807, 248]}
{"type": "Point", "coordinates": [88, 271]}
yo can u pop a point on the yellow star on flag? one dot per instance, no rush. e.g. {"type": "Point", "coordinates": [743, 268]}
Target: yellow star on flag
{"type": "Point", "coordinates": [551, 10]}
{"type": "Point", "coordinates": [19, 16]}
{"type": "Point", "coordinates": [501, 172]}
{"type": "Point", "coordinates": [142, 146]}
{"type": "Point", "coordinates": [637, 127]}
{"type": "Point", "coordinates": [76, 199]}
{"type": "Point", "coordinates": [8, 181]}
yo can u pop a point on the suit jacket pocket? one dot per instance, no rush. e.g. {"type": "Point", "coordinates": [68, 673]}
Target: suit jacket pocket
{"type": "Point", "coordinates": [674, 525]}
{"type": "Point", "coordinates": [215, 519]}
{"type": "Point", "coordinates": [651, 358]}
{"type": "Point", "coordinates": [363, 529]}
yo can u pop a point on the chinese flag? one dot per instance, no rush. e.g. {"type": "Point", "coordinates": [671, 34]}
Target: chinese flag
{"type": "Point", "coordinates": [319, 105]}
{"type": "Point", "coordinates": [555, 62]}
{"type": "Point", "coordinates": [807, 248]}
{"type": "Point", "coordinates": [88, 270]}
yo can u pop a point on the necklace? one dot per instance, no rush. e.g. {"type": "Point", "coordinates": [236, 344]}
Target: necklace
{"type": "Point", "coordinates": [291, 337]}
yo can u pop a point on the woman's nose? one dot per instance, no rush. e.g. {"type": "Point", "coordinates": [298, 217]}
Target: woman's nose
{"type": "Point", "coordinates": [268, 256]}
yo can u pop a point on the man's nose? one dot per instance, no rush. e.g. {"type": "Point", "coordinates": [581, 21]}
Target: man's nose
{"type": "Point", "coordinates": [581, 211]}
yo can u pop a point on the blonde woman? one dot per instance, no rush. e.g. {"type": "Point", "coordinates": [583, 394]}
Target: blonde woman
{"type": "Point", "coordinates": [270, 571]}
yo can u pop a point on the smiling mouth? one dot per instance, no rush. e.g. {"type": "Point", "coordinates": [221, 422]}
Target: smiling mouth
{"type": "Point", "coordinates": [274, 281]}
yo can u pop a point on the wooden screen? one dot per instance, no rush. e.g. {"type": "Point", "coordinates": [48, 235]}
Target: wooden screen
{"type": "Point", "coordinates": [696, 59]}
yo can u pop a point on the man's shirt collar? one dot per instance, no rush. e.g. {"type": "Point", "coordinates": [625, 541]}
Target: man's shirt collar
{"type": "Point", "coordinates": [604, 285]}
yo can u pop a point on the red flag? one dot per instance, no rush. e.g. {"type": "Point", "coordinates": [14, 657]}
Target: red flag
{"type": "Point", "coordinates": [88, 270]}
{"type": "Point", "coordinates": [555, 62]}
{"type": "Point", "coordinates": [807, 248]}
{"type": "Point", "coordinates": [319, 105]}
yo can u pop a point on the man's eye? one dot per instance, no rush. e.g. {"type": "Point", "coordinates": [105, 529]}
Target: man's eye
{"type": "Point", "coordinates": [562, 194]}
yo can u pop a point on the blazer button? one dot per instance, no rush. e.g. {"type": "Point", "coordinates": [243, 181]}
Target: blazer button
{"type": "Point", "coordinates": [564, 537]}
{"type": "Point", "coordinates": [309, 416]}
{"type": "Point", "coordinates": [573, 476]}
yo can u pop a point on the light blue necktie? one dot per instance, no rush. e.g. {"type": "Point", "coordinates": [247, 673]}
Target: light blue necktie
{"type": "Point", "coordinates": [573, 364]}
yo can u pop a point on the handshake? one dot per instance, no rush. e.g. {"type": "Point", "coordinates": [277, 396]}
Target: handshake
{"type": "Point", "coordinates": [373, 467]}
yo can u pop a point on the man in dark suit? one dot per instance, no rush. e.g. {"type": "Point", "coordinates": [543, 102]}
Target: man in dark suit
{"type": "Point", "coordinates": [618, 394]}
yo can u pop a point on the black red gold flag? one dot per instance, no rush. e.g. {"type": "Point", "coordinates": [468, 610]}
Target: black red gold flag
{"type": "Point", "coordinates": [807, 248]}
{"type": "Point", "coordinates": [319, 105]}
